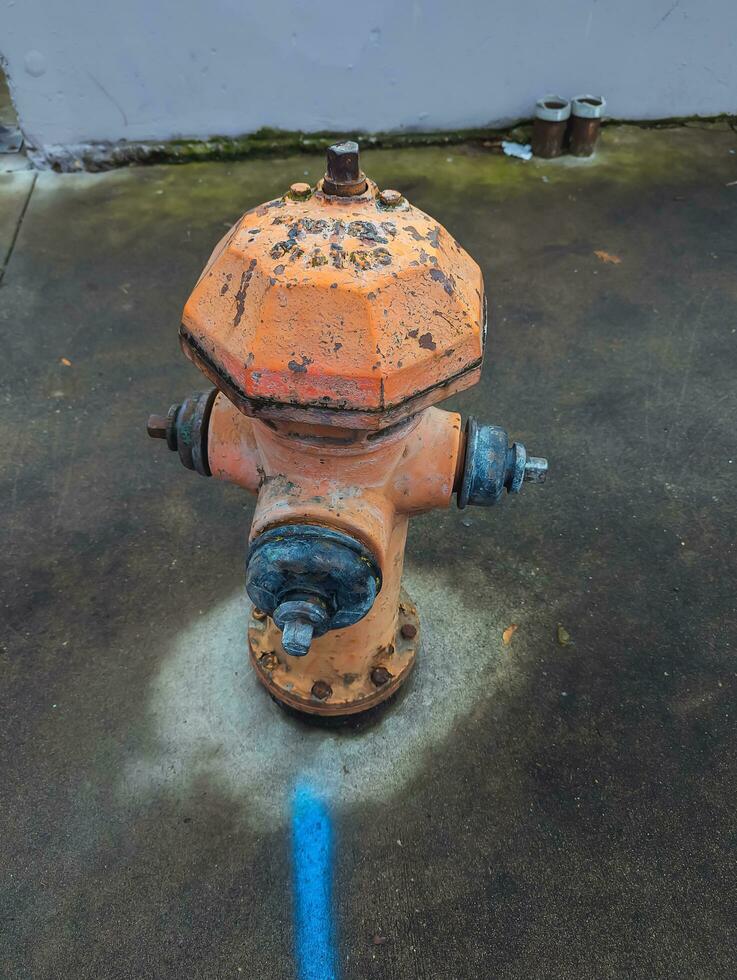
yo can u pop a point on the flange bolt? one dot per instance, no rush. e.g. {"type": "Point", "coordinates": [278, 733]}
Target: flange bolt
{"type": "Point", "coordinates": [321, 690]}
{"type": "Point", "coordinates": [390, 198]}
{"type": "Point", "coordinates": [380, 676]}
{"type": "Point", "coordinates": [299, 191]}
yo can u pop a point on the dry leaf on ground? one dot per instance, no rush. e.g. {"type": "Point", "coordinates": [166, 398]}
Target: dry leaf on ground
{"type": "Point", "coordinates": [562, 635]}
{"type": "Point", "coordinates": [607, 257]}
{"type": "Point", "coordinates": [509, 633]}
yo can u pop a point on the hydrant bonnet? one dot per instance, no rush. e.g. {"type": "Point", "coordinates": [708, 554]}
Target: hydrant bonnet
{"type": "Point", "coordinates": [337, 310]}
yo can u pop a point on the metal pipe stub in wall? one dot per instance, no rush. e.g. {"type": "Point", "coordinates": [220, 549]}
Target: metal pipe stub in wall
{"type": "Point", "coordinates": [335, 429]}
{"type": "Point", "coordinates": [549, 128]}
{"type": "Point", "coordinates": [587, 112]}
{"type": "Point", "coordinates": [561, 125]}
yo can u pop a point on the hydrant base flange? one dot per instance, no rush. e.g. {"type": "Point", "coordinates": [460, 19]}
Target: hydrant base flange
{"type": "Point", "coordinates": [311, 684]}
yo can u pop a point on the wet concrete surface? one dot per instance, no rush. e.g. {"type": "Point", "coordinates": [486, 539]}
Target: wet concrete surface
{"type": "Point", "coordinates": [524, 810]}
{"type": "Point", "coordinates": [15, 190]}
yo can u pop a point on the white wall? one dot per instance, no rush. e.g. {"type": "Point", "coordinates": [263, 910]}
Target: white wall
{"type": "Point", "coordinates": [87, 70]}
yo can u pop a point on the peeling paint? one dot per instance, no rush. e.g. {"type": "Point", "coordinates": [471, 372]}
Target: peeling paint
{"type": "Point", "coordinates": [240, 297]}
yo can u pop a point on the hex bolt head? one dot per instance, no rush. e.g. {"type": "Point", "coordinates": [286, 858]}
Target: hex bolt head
{"type": "Point", "coordinates": [343, 166]}
{"type": "Point", "coordinates": [321, 690]}
{"type": "Point", "coordinates": [165, 427]}
{"type": "Point", "coordinates": [298, 619]}
{"type": "Point", "coordinates": [156, 426]}
{"type": "Point", "coordinates": [408, 631]}
{"type": "Point", "coordinates": [380, 676]}
{"type": "Point", "coordinates": [297, 636]}
{"type": "Point", "coordinates": [343, 176]}
{"type": "Point", "coordinates": [536, 469]}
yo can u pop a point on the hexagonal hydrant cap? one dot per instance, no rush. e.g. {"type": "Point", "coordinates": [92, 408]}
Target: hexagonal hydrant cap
{"type": "Point", "coordinates": [390, 308]}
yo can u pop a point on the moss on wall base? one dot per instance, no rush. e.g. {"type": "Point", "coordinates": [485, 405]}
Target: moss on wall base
{"type": "Point", "coordinates": [275, 143]}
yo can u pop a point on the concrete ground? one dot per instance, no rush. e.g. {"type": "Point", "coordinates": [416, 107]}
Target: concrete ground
{"type": "Point", "coordinates": [561, 806]}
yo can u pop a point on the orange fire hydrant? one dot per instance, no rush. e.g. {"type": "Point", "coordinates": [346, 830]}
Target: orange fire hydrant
{"type": "Point", "coordinates": [330, 321]}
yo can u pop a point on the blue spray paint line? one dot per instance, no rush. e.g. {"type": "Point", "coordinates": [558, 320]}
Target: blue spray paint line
{"type": "Point", "coordinates": [312, 858]}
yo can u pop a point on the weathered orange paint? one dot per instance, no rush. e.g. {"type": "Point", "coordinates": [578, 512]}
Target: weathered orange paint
{"type": "Point", "coordinates": [344, 659]}
{"type": "Point", "coordinates": [357, 485]}
{"type": "Point", "coordinates": [367, 487]}
{"type": "Point", "coordinates": [331, 325]}
{"type": "Point", "coordinates": [337, 311]}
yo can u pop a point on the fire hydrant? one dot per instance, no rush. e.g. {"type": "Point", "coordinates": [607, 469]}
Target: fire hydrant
{"type": "Point", "coordinates": [330, 321]}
